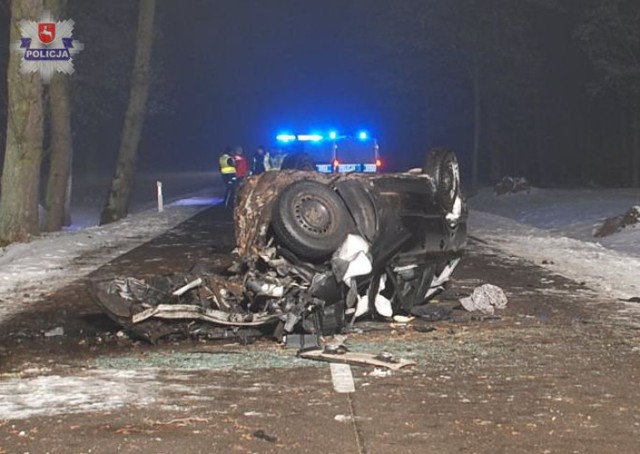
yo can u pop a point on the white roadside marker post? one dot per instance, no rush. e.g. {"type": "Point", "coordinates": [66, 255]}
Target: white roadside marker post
{"type": "Point", "coordinates": [160, 199]}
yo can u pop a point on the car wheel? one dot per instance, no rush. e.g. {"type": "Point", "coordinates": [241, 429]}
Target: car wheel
{"type": "Point", "coordinates": [442, 165]}
{"type": "Point", "coordinates": [310, 219]}
{"type": "Point", "coordinates": [298, 161]}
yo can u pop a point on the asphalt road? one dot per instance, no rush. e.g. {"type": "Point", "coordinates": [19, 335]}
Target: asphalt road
{"type": "Point", "coordinates": [556, 372]}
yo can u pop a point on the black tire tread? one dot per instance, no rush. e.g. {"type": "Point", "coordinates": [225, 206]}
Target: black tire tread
{"type": "Point", "coordinates": [432, 166]}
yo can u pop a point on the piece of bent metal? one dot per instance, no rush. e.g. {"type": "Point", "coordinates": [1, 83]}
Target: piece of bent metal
{"type": "Point", "coordinates": [356, 358]}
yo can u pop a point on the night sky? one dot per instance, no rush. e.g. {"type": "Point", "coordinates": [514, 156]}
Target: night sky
{"type": "Point", "coordinates": [245, 69]}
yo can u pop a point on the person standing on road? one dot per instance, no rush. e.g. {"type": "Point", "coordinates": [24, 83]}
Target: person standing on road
{"type": "Point", "coordinates": [227, 167]}
{"type": "Point", "coordinates": [260, 161]}
{"type": "Point", "coordinates": [241, 164]}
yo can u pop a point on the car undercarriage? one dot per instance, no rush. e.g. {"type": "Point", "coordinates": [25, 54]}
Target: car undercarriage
{"type": "Point", "coordinates": [314, 253]}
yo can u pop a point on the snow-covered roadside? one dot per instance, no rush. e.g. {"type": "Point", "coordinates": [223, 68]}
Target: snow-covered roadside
{"type": "Point", "coordinates": [567, 212]}
{"type": "Point", "coordinates": [555, 226]}
{"type": "Point", "coordinates": [30, 271]}
{"type": "Point", "coordinates": [612, 273]}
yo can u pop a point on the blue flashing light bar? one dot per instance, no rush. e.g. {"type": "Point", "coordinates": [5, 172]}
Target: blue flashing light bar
{"type": "Point", "coordinates": [285, 138]}
{"type": "Point", "coordinates": [361, 135]}
{"type": "Point", "coordinates": [310, 137]}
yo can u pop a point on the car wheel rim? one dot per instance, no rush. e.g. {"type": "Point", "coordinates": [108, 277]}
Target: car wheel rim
{"type": "Point", "coordinates": [312, 215]}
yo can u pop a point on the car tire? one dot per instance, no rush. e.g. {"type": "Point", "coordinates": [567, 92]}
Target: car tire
{"type": "Point", "coordinates": [298, 161]}
{"type": "Point", "coordinates": [310, 219]}
{"type": "Point", "coordinates": [442, 165]}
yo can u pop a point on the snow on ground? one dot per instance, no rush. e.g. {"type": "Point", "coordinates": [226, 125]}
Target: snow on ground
{"type": "Point", "coordinates": [94, 390]}
{"type": "Point", "coordinates": [110, 382]}
{"type": "Point", "coordinates": [30, 271]}
{"type": "Point", "coordinates": [555, 226]}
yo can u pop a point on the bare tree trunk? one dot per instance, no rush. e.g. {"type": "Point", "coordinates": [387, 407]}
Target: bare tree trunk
{"type": "Point", "coordinates": [538, 143]}
{"type": "Point", "coordinates": [635, 150]}
{"type": "Point", "coordinates": [23, 152]}
{"type": "Point", "coordinates": [61, 155]}
{"type": "Point", "coordinates": [117, 203]}
{"type": "Point", "coordinates": [626, 140]}
{"type": "Point", "coordinates": [58, 188]}
{"type": "Point", "coordinates": [493, 112]}
{"type": "Point", "coordinates": [496, 144]}
{"type": "Point", "coordinates": [585, 147]}
{"type": "Point", "coordinates": [477, 113]}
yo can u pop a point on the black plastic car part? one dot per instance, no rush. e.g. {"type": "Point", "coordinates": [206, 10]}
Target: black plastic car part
{"type": "Point", "coordinates": [310, 219]}
{"type": "Point", "coordinates": [359, 201]}
{"type": "Point", "coordinates": [298, 161]}
{"type": "Point", "coordinates": [442, 165]}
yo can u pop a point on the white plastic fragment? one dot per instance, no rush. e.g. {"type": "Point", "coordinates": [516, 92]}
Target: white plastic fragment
{"type": "Point", "coordinates": [351, 259]}
{"type": "Point", "coordinates": [383, 306]}
{"type": "Point", "coordinates": [352, 245]}
{"type": "Point", "coordinates": [362, 307]}
{"type": "Point", "coordinates": [273, 290]}
{"type": "Point", "coordinates": [486, 299]}
{"type": "Point", "coordinates": [359, 265]}
{"type": "Point", "coordinates": [57, 331]}
{"type": "Point", "coordinates": [403, 319]}
{"type": "Point", "coordinates": [380, 372]}
{"type": "Point", "coordinates": [343, 418]}
{"type": "Point", "coordinates": [185, 288]}
{"type": "Point", "coordinates": [442, 278]}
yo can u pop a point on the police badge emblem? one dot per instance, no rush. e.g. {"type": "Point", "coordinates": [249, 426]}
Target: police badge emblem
{"type": "Point", "coordinates": [47, 46]}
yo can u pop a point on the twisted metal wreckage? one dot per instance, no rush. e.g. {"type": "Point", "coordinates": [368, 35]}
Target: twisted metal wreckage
{"type": "Point", "coordinates": [315, 252]}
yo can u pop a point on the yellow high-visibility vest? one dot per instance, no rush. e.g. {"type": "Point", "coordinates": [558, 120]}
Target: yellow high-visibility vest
{"type": "Point", "coordinates": [225, 167]}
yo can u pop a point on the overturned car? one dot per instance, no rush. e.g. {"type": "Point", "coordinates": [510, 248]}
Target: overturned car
{"type": "Point", "coordinates": [315, 252]}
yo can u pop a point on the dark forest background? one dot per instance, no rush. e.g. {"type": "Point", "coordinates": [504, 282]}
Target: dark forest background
{"type": "Point", "coordinates": [548, 89]}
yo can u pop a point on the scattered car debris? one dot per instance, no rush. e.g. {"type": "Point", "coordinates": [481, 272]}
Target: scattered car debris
{"type": "Point", "coordinates": [343, 418]}
{"type": "Point", "coordinates": [315, 252]}
{"type": "Point", "coordinates": [361, 359]}
{"type": "Point", "coordinates": [432, 312]}
{"type": "Point", "coordinates": [511, 185]}
{"type": "Point", "coordinates": [380, 372]}
{"type": "Point", "coordinates": [616, 223]}
{"type": "Point", "coordinates": [423, 328]}
{"type": "Point", "coordinates": [55, 332]}
{"type": "Point", "coordinates": [633, 299]}
{"type": "Point", "coordinates": [485, 299]}
{"type": "Point", "coordinates": [402, 319]}
{"type": "Point", "coordinates": [302, 341]}
{"type": "Point", "coordinates": [262, 435]}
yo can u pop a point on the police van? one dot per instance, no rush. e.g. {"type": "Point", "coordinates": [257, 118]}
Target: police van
{"type": "Point", "coordinates": [331, 152]}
